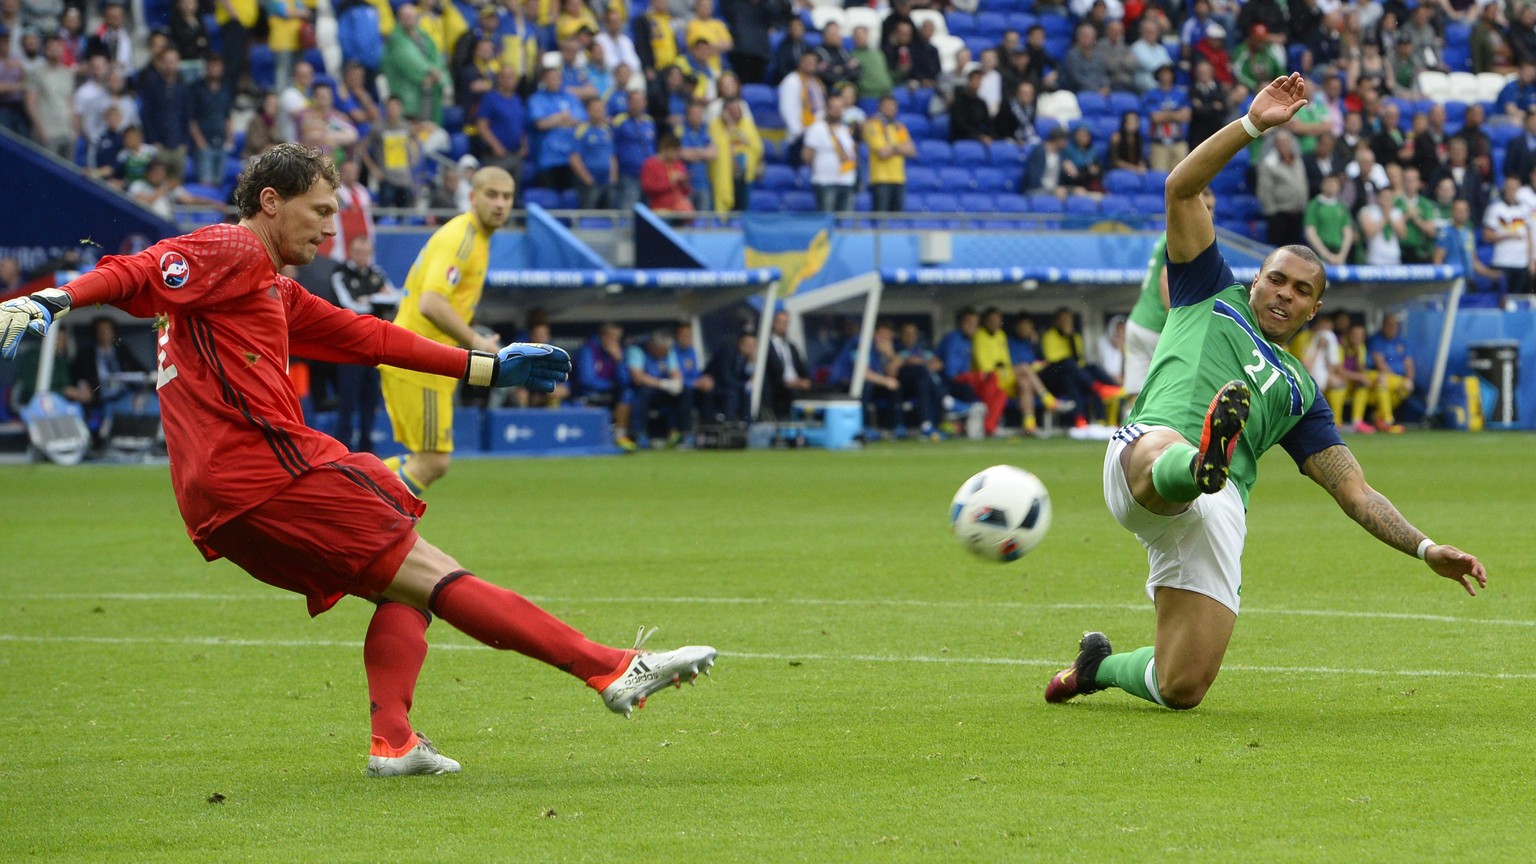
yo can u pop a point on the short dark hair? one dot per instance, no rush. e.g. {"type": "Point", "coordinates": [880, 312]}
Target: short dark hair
{"type": "Point", "coordinates": [1306, 254]}
{"type": "Point", "coordinates": [289, 169]}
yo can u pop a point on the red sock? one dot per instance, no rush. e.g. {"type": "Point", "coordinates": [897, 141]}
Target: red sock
{"type": "Point", "coordinates": [393, 652]}
{"type": "Point", "coordinates": [507, 620]}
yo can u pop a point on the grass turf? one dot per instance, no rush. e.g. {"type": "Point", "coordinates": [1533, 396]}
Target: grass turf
{"type": "Point", "coordinates": [877, 696]}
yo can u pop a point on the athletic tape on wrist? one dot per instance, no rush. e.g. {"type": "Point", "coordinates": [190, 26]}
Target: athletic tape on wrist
{"type": "Point", "coordinates": [1424, 548]}
{"type": "Point", "coordinates": [481, 370]}
{"type": "Point", "coordinates": [1250, 128]}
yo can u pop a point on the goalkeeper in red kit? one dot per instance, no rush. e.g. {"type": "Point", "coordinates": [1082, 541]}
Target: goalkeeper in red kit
{"type": "Point", "coordinates": [292, 506]}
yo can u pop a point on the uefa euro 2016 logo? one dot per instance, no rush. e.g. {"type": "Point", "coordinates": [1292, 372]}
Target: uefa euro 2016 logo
{"type": "Point", "coordinates": [174, 270]}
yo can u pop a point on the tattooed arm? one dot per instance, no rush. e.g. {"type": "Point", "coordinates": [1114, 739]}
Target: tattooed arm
{"type": "Point", "coordinates": [1336, 470]}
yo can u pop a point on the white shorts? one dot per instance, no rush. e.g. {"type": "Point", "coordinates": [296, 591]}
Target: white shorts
{"type": "Point", "coordinates": [1140, 343]}
{"type": "Point", "coordinates": [1198, 550]}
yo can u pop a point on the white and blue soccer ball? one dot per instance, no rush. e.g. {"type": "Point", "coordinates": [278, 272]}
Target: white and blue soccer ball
{"type": "Point", "coordinates": [1001, 513]}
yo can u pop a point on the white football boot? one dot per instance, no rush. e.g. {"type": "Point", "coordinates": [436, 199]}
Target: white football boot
{"type": "Point", "coordinates": [652, 671]}
{"type": "Point", "coordinates": [421, 759]}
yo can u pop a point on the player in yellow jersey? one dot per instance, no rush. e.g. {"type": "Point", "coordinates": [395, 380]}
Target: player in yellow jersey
{"type": "Point", "coordinates": [441, 293]}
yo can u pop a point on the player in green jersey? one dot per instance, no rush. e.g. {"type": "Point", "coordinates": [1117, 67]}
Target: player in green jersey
{"type": "Point", "coordinates": [1145, 323]}
{"type": "Point", "coordinates": [1166, 473]}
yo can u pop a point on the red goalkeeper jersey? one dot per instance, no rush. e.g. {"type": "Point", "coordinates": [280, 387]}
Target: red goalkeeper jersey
{"type": "Point", "coordinates": [227, 323]}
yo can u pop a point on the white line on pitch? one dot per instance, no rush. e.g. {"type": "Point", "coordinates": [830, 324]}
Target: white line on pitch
{"type": "Point", "coordinates": [211, 641]}
{"type": "Point", "coordinates": [814, 601]}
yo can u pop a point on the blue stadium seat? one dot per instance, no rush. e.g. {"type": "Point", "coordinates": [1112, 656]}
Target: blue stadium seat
{"type": "Point", "coordinates": [989, 179]}
{"type": "Point", "coordinates": [961, 24]}
{"type": "Point", "coordinates": [917, 124]}
{"type": "Point", "coordinates": [1122, 182]}
{"type": "Point", "coordinates": [970, 153]}
{"type": "Point", "coordinates": [1458, 33]}
{"type": "Point", "coordinates": [1006, 154]}
{"type": "Point", "coordinates": [1044, 125]}
{"type": "Point", "coordinates": [1057, 27]}
{"type": "Point", "coordinates": [1148, 203]}
{"type": "Point", "coordinates": [1121, 102]}
{"type": "Point", "coordinates": [978, 202]}
{"type": "Point", "coordinates": [1244, 207]}
{"type": "Point", "coordinates": [767, 117]}
{"type": "Point", "coordinates": [1502, 133]}
{"type": "Point", "coordinates": [1011, 6]}
{"type": "Point", "coordinates": [799, 201]}
{"type": "Point", "coordinates": [938, 127]}
{"type": "Point", "coordinates": [570, 199]}
{"type": "Point", "coordinates": [1011, 202]}
{"type": "Point", "coordinates": [458, 145]}
{"type": "Point", "coordinates": [956, 180]}
{"type": "Point", "coordinates": [922, 178]}
{"type": "Point", "coordinates": [1044, 202]}
{"type": "Point", "coordinates": [935, 153]}
{"type": "Point", "coordinates": [913, 101]}
{"type": "Point", "coordinates": [863, 202]}
{"type": "Point", "coordinates": [1228, 182]}
{"type": "Point", "coordinates": [1455, 114]}
{"type": "Point", "coordinates": [453, 118]}
{"type": "Point", "coordinates": [764, 201]}
{"type": "Point", "coordinates": [1293, 54]}
{"type": "Point", "coordinates": [869, 106]}
{"type": "Point", "coordinates": [941, 202]}
{"type": "Point", "coordinates": [1056, 46]}
{"type": "Point", "coordinates": [1458, 58]}
{"type": "Point", "coordinates": [1117, 206]}
{"type": "Point", "coordinates": [980, 43]}
{"type": "Point", "coordinates": [263, 66]}
{"type": "Point", "coordinates": [1093, 103]}
{"type": "Point", "coordinates": [1154, 181]}
{"type": "Point", "coordinates": [991, 25]}
{"type": "Point", "coordinates": [1082, 205]}
{"type": "Point", "coordinates": [1103, 127]}
{"type": "Point", "coordinates": [1021, 21]}
{"type": "Point", "coordinates": [759, 94]}
{"type": "Point", "coordinates": [778, 177]}
{"type": "Point", "coordinates": [773, 153]}
{"type": "Point", "coordinates": [546, 198]}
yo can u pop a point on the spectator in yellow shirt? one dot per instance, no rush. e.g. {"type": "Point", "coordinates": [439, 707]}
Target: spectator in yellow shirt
{"type": "Point", "coordinates": [738, 156]}
{"type": "Point", "coordinates": [709, 28]}
{"type": "Point", "coordinates": [1068, 373]}
{"type": "Point", "coordinates": [890, 145]}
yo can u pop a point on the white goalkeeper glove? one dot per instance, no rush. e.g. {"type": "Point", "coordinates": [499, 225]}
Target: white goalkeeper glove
{"type": "Point", "coordinates": [36, 312]}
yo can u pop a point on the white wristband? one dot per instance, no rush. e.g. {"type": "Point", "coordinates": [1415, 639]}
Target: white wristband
{"type": "Point", "coordinates": [1250, 128]}
{"type": "Point", "coordinates": [1424, 548]}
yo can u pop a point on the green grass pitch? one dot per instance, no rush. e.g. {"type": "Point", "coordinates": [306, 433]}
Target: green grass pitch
{"type": "Point", "coordinates": [877, 698]}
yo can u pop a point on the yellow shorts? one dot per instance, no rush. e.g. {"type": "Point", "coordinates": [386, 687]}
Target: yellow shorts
{"type": "Point", "coordinates": [421, 413]}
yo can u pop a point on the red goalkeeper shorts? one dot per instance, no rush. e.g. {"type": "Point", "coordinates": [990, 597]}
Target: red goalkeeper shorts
{"type": "Point", "coordinates": [343, 528]}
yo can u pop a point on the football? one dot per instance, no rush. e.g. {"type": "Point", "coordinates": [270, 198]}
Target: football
{"type": "Point", "coordinates": [1001, 513]}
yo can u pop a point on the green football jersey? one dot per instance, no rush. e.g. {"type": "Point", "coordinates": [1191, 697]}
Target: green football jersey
{"type": "Point", "coordinates": [1208, 343]}
{"type": "Point", "coordinates": [1149, 311]}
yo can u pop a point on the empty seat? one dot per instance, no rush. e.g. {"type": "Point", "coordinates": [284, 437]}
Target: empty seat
{"type": "Point", "coordinates": [799, 201]}
{"type": "Point", "coordinates": [970, 153]}
{"type": "Point", "coordinates": [1489, 84]}
{"type": "Point", "coordinates": [1006, 154]}
{"type": "Point", "coordinates": [1120, 103]}
{"type": "Point", "coordinates": [921, 16]}
{"type": "Point", "coordinates": [1044, 202]}
{"type": "Point", "coordinates": [1061, 106]}
{"type": "Point", "coordinates": [1154, 181]}
{"type": "Point", "coordinates": [778, 178]}
{"type": "Point", "coordinates": [1010, 202]}
{"type": "Point", "coordinates": [764, 201]}
{"type": "Point", "coordinates": [546, 198]}
{"type": "Point", "coordinates": [990, 179]}
{"type": "Point", "coordinates": [1117, 206]}
{"type": "Point", "coordinates": [821, 16]}
{"type": "Point", "coordinates": [1435, 85]}
{"type": "Point", "coordinates": [1092, 103]}
{"type": "Point", "coordinates": [1122, 182]}
{"type": "Point", "coordinates": [978, 202]}
{"type": "Point", "coordinates": [941, 202]}
{"type": "Point", "coordinates": [956, 179]}
{"type": "Point", "coordinates": [855, 17]}
{"type": "Point", "coordinates": [961, 23]}
{"type": "Point", "coordinates": [759, 94]}
{"type": "Point", "coordinates": [991, 25]}
{"type": "Point", "coordinates": [922, 178]}
{"type": "Point", "coordinates": [935, 153]}
{"type": "Point", "coordinates": [1147, 203]}
{"type": "Point", "coordinates": [1021, 21]}
{"type": "Point", "coordinates": [1082, 205]}
{"type": "Point", "coordinates": [918, 125]}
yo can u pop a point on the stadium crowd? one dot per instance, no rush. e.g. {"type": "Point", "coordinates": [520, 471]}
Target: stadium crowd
{"type": "Point", "coordinates": [1070, 109]}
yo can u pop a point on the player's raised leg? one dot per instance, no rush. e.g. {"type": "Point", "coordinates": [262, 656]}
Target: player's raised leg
{"type": "Point", "coordinates": [431, 580]}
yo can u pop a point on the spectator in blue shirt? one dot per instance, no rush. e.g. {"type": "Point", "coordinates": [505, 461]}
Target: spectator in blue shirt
{"type": "Point", "coordinates": [917, 369]}
{"type": "Point", "coordinates": [555, 114]}
{"type": "Point", "coordinates": [1518, 96]}
{"type": "Point", "coordinates": [1392, 370]}
{"type": "Point", "coordinates": [965, 383]}
{"type": "Point", "coordinates": [1167, 106]}
{"type": "Point", "coordinates": [1456, 245]}
{"type": "Point", "coordinates": [503, 139]}
{"type": "Point", "coordinates": [165, 109]}
{"type": "Point", "coordinates": [655, 385]}
{"type": "Point", "coordinates": [634, 141]}
{"type": "Point", "coordinates": [699, 153]}
{"type": "Point", "coordinates": [211, 100]}
{"type": "Point", "coordinates": [592, 162]}
{"type": "Point", "coordinates": [574, 79]}
{"type": "Point", "coordinates": [602, 379]}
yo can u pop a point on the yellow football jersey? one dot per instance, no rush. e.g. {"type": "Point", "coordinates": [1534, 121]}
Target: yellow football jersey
{"type": "Point", "coordinates": [453, 264]}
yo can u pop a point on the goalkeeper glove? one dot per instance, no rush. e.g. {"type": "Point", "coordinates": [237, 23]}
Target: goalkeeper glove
{"type": "Point", "coordinates": [36, 313]}
{"type": "Point", "coordinates": [522, 364]}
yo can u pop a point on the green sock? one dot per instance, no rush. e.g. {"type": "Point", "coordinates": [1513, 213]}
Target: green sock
{"type": "Point", "coordinates": [1134, 673]}
{"type": "Point", "coordinates": [1172, 476]}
